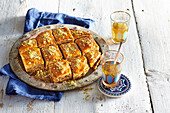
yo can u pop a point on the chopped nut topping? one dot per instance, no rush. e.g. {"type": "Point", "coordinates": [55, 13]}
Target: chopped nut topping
{"type": "Point", "coordinates": [72, 48]}
{"type": "Point", "coordinates": [42, 74]}
{"type": "Point", "coordinates": [87, 97]}
{"type": "Point", "coordinates": [27, 42]}
{"type": "Point", "coordinates": [76, 65]}
{"type": "Point", "coordinates": [91, 88]}
{"type": "Point", "coordinates": [51, 50]}
{"type": "Point", "coordinates": [77, 32]}
{"type": "Point", "coordinates": [78, 60]}
{"type": "Point", "coordinates": [60, 32]}
{"type": "Point", "coordinates": [33, 54]}
{"type": "Point", "coordinates": [59, 65]}
{"type": "Point", "coordinates": [47, 34]}
{"type": "Point", "coordinates": [91, 55]}
{"type": "Point", "coordinates": [44, 42]}
{"type": "Point", "coordinates": [72, 83]}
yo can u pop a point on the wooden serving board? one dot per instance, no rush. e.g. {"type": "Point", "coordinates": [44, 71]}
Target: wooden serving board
{"type": "Point", "coordinates": [18, 69]}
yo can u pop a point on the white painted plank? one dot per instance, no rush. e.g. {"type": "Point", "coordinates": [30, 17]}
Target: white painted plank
{"type": "Point", "coordinates": [153, 21]}
{"type": "Point", "coordinates": [154, 26]}
{"type": "Point", "coordinates": [159, 86]}
{"type": "Point", "coordinates": [137, 101]}
{"type": "Point", "coordinates": [11, 28]}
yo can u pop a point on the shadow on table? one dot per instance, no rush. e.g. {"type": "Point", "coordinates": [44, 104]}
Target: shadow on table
{"type": "Point", "coordinates": [10, 30]}
{"type": "Point", "coordinates": [12, 26]}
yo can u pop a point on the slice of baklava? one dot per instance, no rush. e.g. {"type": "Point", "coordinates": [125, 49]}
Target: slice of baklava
{"type": "Point", "coordinates": [79, 34]}
{"type": "Point", "coordinates": [60, 71]}
{"type": "Point", "coordinates": [51, 53]}
{"type": "Point", "coordinates": [70, 50]}
{"type": "Point", "coordinates": [32, 59]}
{"type": "Point", "coordinates": [93, 57]}
{"type": "Point", "coordinates": [87, 44]}
{"type": "Point", "coordinates": [62, 35]}
{"type": "Point", "coordinates": [79, 67]}
{"type": "Point", "coordinates": [45, 38]}
{"type": "Point", "coordinates": [43, 75]}
{"type": "Point", "coordinates": [29, 43]}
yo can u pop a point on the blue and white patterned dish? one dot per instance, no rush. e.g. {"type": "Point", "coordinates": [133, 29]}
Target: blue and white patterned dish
{"type": "Point", "coordinates": [122, 88]}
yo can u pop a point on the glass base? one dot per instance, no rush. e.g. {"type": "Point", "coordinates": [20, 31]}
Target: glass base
{"type": "Point", "coordinates": [117, 43]}
{"type": "Point", "coordinates": [110, 85]}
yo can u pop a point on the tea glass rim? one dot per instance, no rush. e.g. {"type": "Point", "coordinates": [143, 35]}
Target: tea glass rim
{"type": "Point", "coordinates": [115, 52]}
{"type": "Point", "coordinates": [120, 12]}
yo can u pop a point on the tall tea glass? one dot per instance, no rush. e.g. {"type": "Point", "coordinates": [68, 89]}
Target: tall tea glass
{"type": "Point", "coordinates": [119, 26]}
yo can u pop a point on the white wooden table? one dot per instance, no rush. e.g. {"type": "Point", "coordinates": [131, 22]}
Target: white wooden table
{"type": "Point", "coordinates": [147, 53]}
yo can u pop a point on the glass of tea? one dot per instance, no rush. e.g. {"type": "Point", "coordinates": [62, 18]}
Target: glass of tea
{"type": "Point", "coordinates": [111, 71]}
{"type": "Point", "coordinates": [119, 26]}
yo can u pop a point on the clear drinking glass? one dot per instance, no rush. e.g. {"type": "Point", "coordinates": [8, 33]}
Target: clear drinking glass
{"type": "Point", "coordinates": [111, 71]}
{"type": "Point", "coordinates": [119, 26]}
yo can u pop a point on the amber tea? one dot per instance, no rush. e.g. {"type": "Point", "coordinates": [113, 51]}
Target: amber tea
{"type": "Point", "coordinates": [119, 26]}
{"type": "Point", "coordinates": [111, 71]}
{"type": "Point", "coordinates": [119, 32]}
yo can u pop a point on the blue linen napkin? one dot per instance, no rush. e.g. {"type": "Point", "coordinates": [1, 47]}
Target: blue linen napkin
{"type": "Point", "coordinates": [35, 19]}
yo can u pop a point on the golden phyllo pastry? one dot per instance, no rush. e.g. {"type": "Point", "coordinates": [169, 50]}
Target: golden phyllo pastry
{"type": "Point", "coordinates": [43, 75]}
{"type": "Point", "coordinates": [30, 43]}
{"type": "Point", "coordinates": [32, 59]}
{"type": "Point", "coordinates": [93, 57]}
{"type": "Point", "coordinates": [45, 38]}
{"type": "Point", "coordinates": [51, 54]}
{"type": "Point", "coordinates": [87, 44]}
{"type": "Point", "coordinates": [79, 67]}
{"type": "Point", "coordinates": [62, 35]}
{"type": "Point", "coordinates": [79, 34]}
{"type": "Point", "coordinates": [70, 50]}
{"type": "Point", "coordinates": [60, 71]}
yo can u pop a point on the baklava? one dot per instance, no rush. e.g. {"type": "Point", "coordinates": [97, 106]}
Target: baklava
{"type": "Point", "coordinates": [70, 50]}
{"type": "Point", "coordinates": [62, 35]}
{"type": "Point", "coordinates": [79, 34]}
{"type": "Point", "coordinates": [79, 67]}
{"type": "Point", "coordinates": [51, 54]}
{"type": "Point", "coordinates": [87, 44]}
{"type": "Point", "coordinates": [60, 71]}
{"type": "Point", "coordinates": [32, 59]}
{"type": "Point", "coordinates": [45, 38]}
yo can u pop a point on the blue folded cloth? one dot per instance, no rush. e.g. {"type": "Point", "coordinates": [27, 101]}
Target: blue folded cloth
{"type": "Point", "coordinates": [35, 19]}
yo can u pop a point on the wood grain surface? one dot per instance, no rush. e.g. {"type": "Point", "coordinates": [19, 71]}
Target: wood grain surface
{"type": "Point", "coordinates": [153, 22]}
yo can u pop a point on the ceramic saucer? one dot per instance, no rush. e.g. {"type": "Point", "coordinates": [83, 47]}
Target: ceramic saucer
{"type": "Point", "coordinates": [122, 88]}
